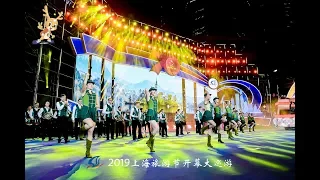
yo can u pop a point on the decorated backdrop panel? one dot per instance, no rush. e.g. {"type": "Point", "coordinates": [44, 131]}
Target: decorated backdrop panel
{"type": "Point", "coordinates": [200, 94]}
{"type": "Point", "coordinates": [82, 63]}
{"type": "Point", "coordinates": [131, 82]}
{"type": "Point", "coordinates": [107, 80]}
{"type": "Point", "coordinates": [189, 97]}
{"type": "Point", "coordinates": [96, 63]}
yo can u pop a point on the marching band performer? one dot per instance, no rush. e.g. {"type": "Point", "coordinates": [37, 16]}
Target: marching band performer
{"type": "Point", "coordinates": [183, 122]}
{"type": "Point", "coordinates": [88, 111]}
{"type": "Point", "coordinates": [218, 118]}
{"type": "Point", "coordinates": [235, 118]}
{"type": "Point", "coordinates": [163, 123]}
{"type": "Point", "coordinates": [197, 118]}
{"type": "Point", "coordinates": [229, 125]}
{"type": "Point", "coordinates": [62, 122]}
{"type": "Point", "coordinates": [177, 120]}
{"type": "Point", "coordinates": [251, 122]}
{"type": "Point", "coordinates": [242, 121]}
{"type": "Point", "coordinates": [108, 111]}
{"type": "Point", "coordinates": [46, 115]}
{"type": "Point", "coordinates": [34, 113]}
{"type": "Point", "coordinates": [76, 119]}
{"type": "Point", "coordinates": [119, 122]}
{"type": "Point", "coordinates": [151, 116]}
{"type": "Point", "coordinates": [29, 128]}
{"type": "Point", "coordinates": [207, 118]}
{"type": "Point", "coordinates": [35, 120]}
{"type": "Point", "coordinates": [134, 117]}
{"type": "Point", "coordinates": [127, 122]}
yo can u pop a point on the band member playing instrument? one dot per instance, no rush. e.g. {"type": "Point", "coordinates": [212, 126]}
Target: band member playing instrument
{"type": "Point", "coordinates": [177, 120]}
{"type": "Point", "coordinates": [34, 112]}
{"type": "Point", "coordinates": [35, 120]}
{"type": "Point", "coordinates": [127, 122]}
{"type": "Point", "coordinates": [62, 122]}
{"type": "Point", "coordinates": [134, 117]}
{"type": "Point", "coordinates": [76, 119]}
{"type": "Point", "coordinates": [183, 122]}
{"type": "Point", "coordinates": [163, 123]}
{"type": "Point", "coordinates": [242, 121]}
{"type": "Point", "coordinates": [46, 115]}
{"type": "Point", "coordinates": [197, 118]}
{"type": "Point", "coordinates": [151, 116]}
{"type": "Point", "coordinates": [119, 122]}
{"type": "Point", "coordinates": [88, 111]}
{"type": "Point", "coordinates": [29, 128]}
{"type": "Point", "coordinates": [108, 111]}
{"type": "Point", "coordinates": [251, 122]}
{"type": "Point", "coordinates": [235, 118]}
{"type": "Point", "coordinates": [207, 118]}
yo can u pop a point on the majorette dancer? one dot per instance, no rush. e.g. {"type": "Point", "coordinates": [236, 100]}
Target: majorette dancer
{"type": "Point", "coordinates": [251, 122]}
{"type": "Point", "coordinates": [218, 118]}
{"type": "Point", "coordinates": [207, 118]}
{"type": "Point", "coordinates": [242, 121]}
{"type": "Point", "coordinates": [152, 115]}
{"type": "Point", "coordinates": [88, 111]}
{"type": "Point", "coordinates": [235, 120]}
{"type": "Point", "coordinates": [229, 125]}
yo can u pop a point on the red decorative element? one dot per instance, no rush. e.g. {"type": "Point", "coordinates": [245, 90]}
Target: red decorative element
{"type": "Point", "coordinates": [170, 65]}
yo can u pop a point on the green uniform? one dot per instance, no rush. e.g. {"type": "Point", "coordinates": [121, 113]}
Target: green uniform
{"type": "Point", "coordinates": [89, 109]}
{"type": "Point", "coordinates": [207, 115]}
{"type": "Point", "coordinates": [229, 113]}
{"type": "Point", "coordinates": [63, 111]}
{"type": "Point", "coordinates": [235, 117]}
{"type": "Point", "coordinates": [217, 115]}
{"type": "Point", "coordinates": [152, 110]}
{"type": "Point", "coordinates": [250, 119]}
{"type": "Point", "coordinates": [242, 119]}
{"type": "Point", "coordinates": [109, 109]}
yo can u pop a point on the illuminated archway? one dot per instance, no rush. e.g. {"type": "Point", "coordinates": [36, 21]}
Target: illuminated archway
{"type": "Point", "coordinates": [256, 95]}
{"type": "Point", "coordinates": [240, 91]}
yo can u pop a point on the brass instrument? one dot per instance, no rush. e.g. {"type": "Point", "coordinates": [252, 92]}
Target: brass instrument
{"type": "Point", "coordinates": [119, 118]}
{"type": "Point", "coordinates": [47, 115]}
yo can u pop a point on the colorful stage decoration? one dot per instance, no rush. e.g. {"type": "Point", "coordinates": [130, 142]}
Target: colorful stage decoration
{"type": "Point", "coordinates": [239, 99]}
{"type": "Point", "coordinates": [50, 24]}
{"type": "Point", "coordinates": [132, 76]}
{"type": "Point", "coordinates": [100, 21]}
{"type": "Point", "coordinates": [169, 64]}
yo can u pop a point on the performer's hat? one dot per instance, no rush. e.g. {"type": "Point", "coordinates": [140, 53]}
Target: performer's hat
{"type": "Point", "coordinates": [215, 98]}
{"type": "Point", "coordinates": [90, 81]}
{"type": "Point", "coordinates": [152, 89]}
